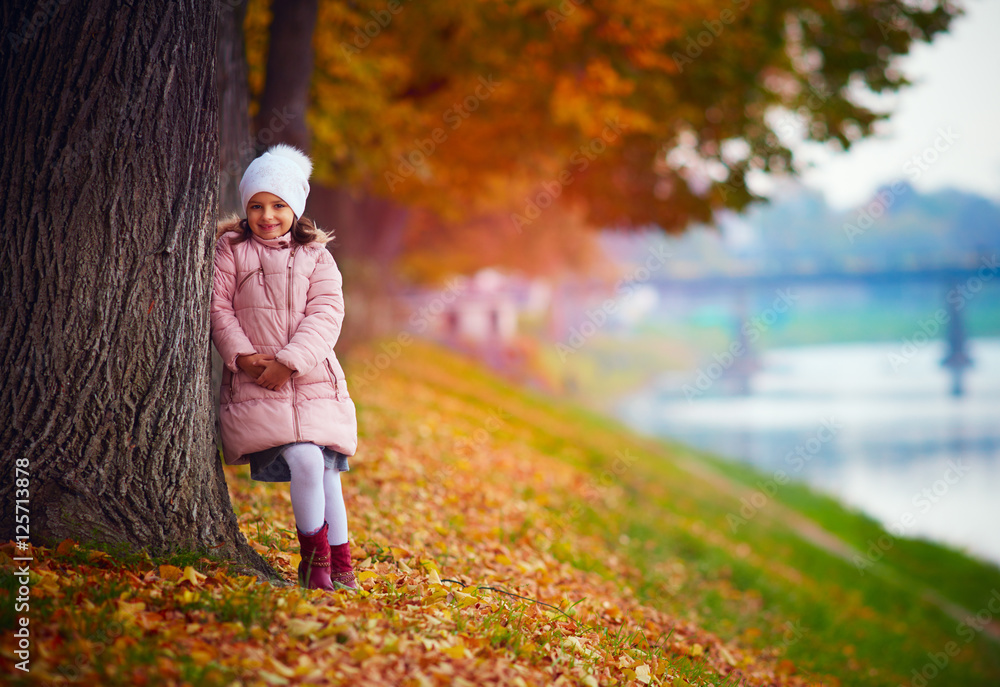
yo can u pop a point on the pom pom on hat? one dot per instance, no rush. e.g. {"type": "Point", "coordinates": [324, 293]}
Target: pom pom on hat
{"type": "Point", "coordinates": [295, 155]}
{"type": "Point", "coordinates": [284, 171]}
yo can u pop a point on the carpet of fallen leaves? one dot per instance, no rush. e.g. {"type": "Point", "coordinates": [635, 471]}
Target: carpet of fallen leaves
{"type": "Point", "coordinates": [462, 562]}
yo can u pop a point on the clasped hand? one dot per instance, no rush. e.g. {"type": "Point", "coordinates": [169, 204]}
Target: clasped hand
{"type": "Point", "coordinates": [265, 370]}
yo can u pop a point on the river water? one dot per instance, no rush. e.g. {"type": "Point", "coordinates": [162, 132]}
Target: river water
{"type": "Point", "coordinates": [873, 424]}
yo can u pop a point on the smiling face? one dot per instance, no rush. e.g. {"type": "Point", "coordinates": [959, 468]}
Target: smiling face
{"type": "Point", "coordinates": [269, 216]}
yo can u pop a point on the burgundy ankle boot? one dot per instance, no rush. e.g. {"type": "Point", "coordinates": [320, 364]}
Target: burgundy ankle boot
{"type": "Point", "coordinates": [341, 569]}
{"type": "Point", "coordinates": [314, 568]}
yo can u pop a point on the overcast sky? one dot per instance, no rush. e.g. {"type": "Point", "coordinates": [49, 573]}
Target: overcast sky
{"type": "Point", "coordinates": [956, 91]}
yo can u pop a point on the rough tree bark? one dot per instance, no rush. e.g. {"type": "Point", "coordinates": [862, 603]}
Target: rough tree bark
{"type": "Point", "coordinates": [108, 122]}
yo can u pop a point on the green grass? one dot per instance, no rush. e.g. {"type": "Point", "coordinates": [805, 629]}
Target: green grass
{"type": "Point", "coordinates": [763, 585]}
{"type": "Point", "coordinates": [958, 577]}
{"type": "Point", "coordinates": [125, 554]}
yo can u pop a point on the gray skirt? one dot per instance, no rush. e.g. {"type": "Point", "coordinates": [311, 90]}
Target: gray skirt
{"type": "Point", "coordinates": [270, 465]}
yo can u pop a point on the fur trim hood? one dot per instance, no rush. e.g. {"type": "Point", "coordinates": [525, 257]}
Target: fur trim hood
{"type": "Point", "coordinates": [227, 224]}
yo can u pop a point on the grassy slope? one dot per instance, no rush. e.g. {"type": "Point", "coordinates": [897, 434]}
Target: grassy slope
{"type": "Point", "coordinates": [762, 584]}
{"type": "Point", "coordinates": [466, 491]}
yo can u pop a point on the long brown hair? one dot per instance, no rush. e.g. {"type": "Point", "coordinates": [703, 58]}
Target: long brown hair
{"type": "Point", "coordinates": [303, 231]}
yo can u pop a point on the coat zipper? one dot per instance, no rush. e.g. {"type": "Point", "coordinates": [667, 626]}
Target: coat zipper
{"type": "Point", "coordinates": [295, 410]}
{"type": "Point", "coordinates": [243, 281]}
{"type": "Point", "coordinates": [333, 375]}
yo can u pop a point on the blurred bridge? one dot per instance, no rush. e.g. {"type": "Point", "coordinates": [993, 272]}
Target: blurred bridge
{"type": "Point", "coordinates": [959, 285]}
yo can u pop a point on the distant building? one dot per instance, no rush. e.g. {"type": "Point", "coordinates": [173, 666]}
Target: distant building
{"type": "Point", "coordinates": [485, 310]}
{"type": "Point", "coordinates": [480, 310]}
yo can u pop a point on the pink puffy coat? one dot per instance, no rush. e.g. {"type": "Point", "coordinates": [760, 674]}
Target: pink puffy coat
{"type": "Point", "coordinates": [280, 297]}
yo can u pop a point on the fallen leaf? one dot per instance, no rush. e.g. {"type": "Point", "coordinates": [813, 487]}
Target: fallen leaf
{"type": "Point", "coordinates": [456, 652]}
{"type": "Point", "coordinates": [193, 576]}
{"type": "Point", "coordinates": [726, 655]}
{"type": "Point", "coordinates": [170, 572]}
{"type": "Point", "coordinates": [300, 627]}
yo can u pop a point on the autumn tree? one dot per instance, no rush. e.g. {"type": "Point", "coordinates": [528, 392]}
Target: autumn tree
{"type": "Point", "coordinates": [109, 130]}
{"type": "Point", "coordinates": [641, 113]}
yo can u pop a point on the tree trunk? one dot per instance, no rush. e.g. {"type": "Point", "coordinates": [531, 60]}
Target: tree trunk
{"type": "Point", "coordinates": [110, 167]}
{"type": "Point", "coordinates": [283, 104]}
{"type": "Point", "coordinates": [236, 148]}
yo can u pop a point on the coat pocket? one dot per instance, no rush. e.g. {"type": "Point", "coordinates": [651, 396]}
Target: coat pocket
{"type": "Point", "coordinates": [259, 270]}
{"type": "Point", "coordinates": [234, 388]}
{"type": "Point", "coordinates": [333, 379]}
{"type": "Point", "coordinates": [226, 387]}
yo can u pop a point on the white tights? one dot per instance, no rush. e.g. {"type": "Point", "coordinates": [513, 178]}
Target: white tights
{"type": "Point", "coordinates": [316, 493]}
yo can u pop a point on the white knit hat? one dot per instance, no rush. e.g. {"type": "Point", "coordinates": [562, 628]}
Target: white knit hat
{"type": "Point", "coordinates": [284, 171]}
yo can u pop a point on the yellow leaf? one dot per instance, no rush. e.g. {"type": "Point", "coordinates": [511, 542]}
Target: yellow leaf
{"type": "Point", "coordinates": [433, 576]}
{"type": "Point", "coordinates": [304, 608]}
{"type": "Point", "coordinates": [503, 559]}
{"type": "Point", "coordinates": [193, 576]}
{"type": "Point", "coordinates": [363, 651]}
{"type": "Point", "coordinates": [366, 575]}
{"type": "Point", "coordinates": [457, 651]}
{"type": "Point", "coordinates": [299, 627]}
{"type": "Point", "coordinates": [463, 599]}
{"type": "Point", "coordinates": [390, 643]}
{"type": "Point", "coordinates": [642, 674]}
{"type": "Point", "coordinates": [437, 595]}
{"type": "Point", "coordinates": [281, 668]}
{"type": "Point", "coordinates": [171, 573]}
{"type": "Point", "coordinates": [697, 650]}
{"type": "Point", "coordinates": [399, 552]}
{"type": "Point", "coordinates": [126, 611]}
{"type": "Point", "coordinates": [403, 566]}
{"type": "Point", "coordinates": [727, 656]}
{"type": "Point", "coordinates": [577, 645]}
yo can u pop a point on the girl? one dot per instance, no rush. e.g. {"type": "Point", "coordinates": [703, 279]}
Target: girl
{"type": "Point", "coordinates": [277, 310]}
